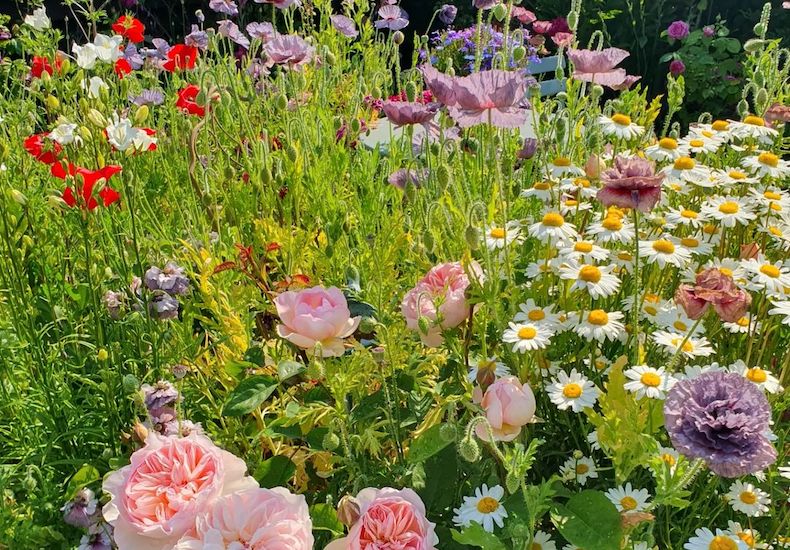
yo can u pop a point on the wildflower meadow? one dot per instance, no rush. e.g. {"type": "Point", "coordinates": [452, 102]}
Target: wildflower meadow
{"type": "Point", "coordinates": [311, 276]}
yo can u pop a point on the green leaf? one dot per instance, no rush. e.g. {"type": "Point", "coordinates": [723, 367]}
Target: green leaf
{"type": "Point", "coordinates": [249, 394]}
{"type": "Point", "coordinates": [289, 369]}
{"type": "Point", "coordinates": [275, 471]}
{"type": "Point", "coordinates": [589, 520]}
{"type": "Point", "coordinates": [84, 477]}
{"type": "Point", "coordinates": [427, 445]}
{"type": "Point", "coordinates": [324, 518]}
{"type": "Point", "coordinates": [475, 535]}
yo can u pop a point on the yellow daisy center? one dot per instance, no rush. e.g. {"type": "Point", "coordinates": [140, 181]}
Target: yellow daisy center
{"type": "Point", "coordinates": [776, 207]}
{"type": "Point", "coordinates": [650, 379]}
{"type": "Point", "coordinates": [697, 143]}
{"type": "Point", "coordinates": [572, 390]}
{"type": "Point", "coordinates": [571, 202]}
{"type": "Point", "coordinates": [720, 125]}
{"type": "Point", "coordinates": [726, 271]}
{"type": "Point", "coordinates": [652, 298]}
{"type": "Point", "coordinates": [729, 207]}
{"type": "Point", "coordinates": [754, 120]}
{"type": "Point", "coordinates": [710, 229]}
{"type": "Point", "coordinates": [628, 503]}
{"type": "Point", "coordinates": [747, 538]}
{"type": "Point", "coordinates": [770, 270]}
{"type": "Point", "coordinates": [688, 242]}
{"type": "Point", "coordinates": [743, 322]}
{"type": "Point", "coordinates": [562, 161]}
{"type": "Point", "coordinates": [497, 233]}
{"type": "Point", "coordinates": [707, 134]}
{"type": "Point", "coordinates": [536, 546]}
{"type": "Point", "coordinates": [542, 186]}
{"type": "Point", "coordinates": [756, 375]}
{"type": "Point", "coordinates": [527, 333]}
{"type": "Point", "coordinates": [748, 497]}
{"type": "Point", "coordinates": [775, 231]}
{"type": "Point", "coordinates": [590, 274]}
{"type": "Point", "coordinates": [664, 246]}
{"type": "Point", "coordinates": [736, 175]}
{"type": "Point", "coordinates": [486, 505]}
{"type": "Point", "coordinates": [600, 364]}
{"type": "Point", "coordinates": [772, 195]}
{"type": "Point", "coordinates": [598, 317]}
{"type": "Point", "coordinates": [688, 347]}
{"type": "Point", "coordinates": [721, 542]}
{"type": "Point", "coordinates": [680, 325]}
{"type": "Point", "coordinates": [685, 163]}
{"type": "Point", "coordinates": [624, 256]}
{"type": "Point", "coordinates": [668, 143]}
{"type": "Point", "coordinates": [668, 458]}
{"type": "Point", "coordinates": [690, 214]}
{"type": "Point", "coordinates": [612, 223]}
{"type": "Point", "coordinates": [583, 247]}
{"type": "Point", "coordinates": [582, 469]}
{"type": "Point", "coordinates": [581, 182]}
{"type": "Point", "coordinates": [553, 219]}
{"type": "Point", "coordinates": [768, 159]}
{"type": "Point", "coordinates": [621, 120]}
{"type": "Point", "coordinates": [650, 310]}
{"type": "Point", "coordinates": [536, 315]}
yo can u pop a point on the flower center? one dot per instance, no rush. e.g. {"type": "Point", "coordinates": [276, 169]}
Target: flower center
{"type": "Point", "coordinates": [690, 214]}
{"type": "Point", "coordinates": [497, 233]}
{"type": "Point", "coordinates": [600, 364]}
{"type": "Point", "coordinates": [770, 270]}
{"type": "Point", "coordinates": [650, 310]}
{"type": "Point", "coordinates": [562, 161]}
{"type": "Point", "coordinates": [624, 256]}
{"type": "Point", "coordinates": [486, 505]}
{"type": "Point", "coordinates": [598, 317]}
{"type": "Point", "coordinates": [664, 246]}
{"type": "Point", "coordinates": [572, 390]}
{"type": "Point", "coordinates": [743, 322]}
{"type": "Point", "coordinates": [754, 120]}
{"type": "Point", "coordinates": [737, 175]}
{"type": "Point", "coordinates": [590, 274]}
{"type": "Point", "coordinates": [680, 325]}
{"type": "Point", "coordinates": [583, 247]}
{"type": "Point", "coordinates": [668, 143]}
{"type": "Point", "coordinates": [710, 229]}
{"type": "Point", "coordinates": [684, 163]}
{"type": "Point", "coordinates": [768, 158]}
{"type": "Point", "coordinates": [688, 347]}
{"type": "Point", "coordinates": [668, 458]}
{"type": "Point", "coordinates": [688, 242]}
{"type": "Point", "coordinates": [729, 207]}
{"type": "Point", "coordinates": [612, 223]}
{"type": "Point", "coordinates": [628, 503]}
{"type": "Point", "coordinates": [527, 333]}
{"type": "Point", "coordinates": [697, 143]}
{"type": "Point", "coordinates": [581, 182]}
{"type": "Point", "coordinates": [707, 134]}
{"type": "Point", "coordinates": [653, 298]}
{"type": "Point", "coordinates": [542, 186]}
{"type": "Point", "coordinates": [726, 271]}
{"type": "Point", "coordinates": [748, 497]}
{"type": "Point", "coordinates": [536, 546]}
{"type": "Point", "coordinates": [553, 219]}
{"type": "Point", "coordinates": [621, 120]}
{"type": "Point", "coordinates": [651, 379]}
{"type": "Point", "coordinates": [776, 207]}
{"type": "Point", "coordinates": [756, 375]}
{"type": "Point", "coordinates": [772, 195]}
{"type": "Point", "coordinates": [571, 202]}
{"type": "Point", "coordinates": [747, 538]}
{"type": "Point", "coordinates": [720, 125]}
{"type": "Point", "coordinates": [536, 315]}
{"type": "Point", "coordinates": [721, 542]}
{"type": "Point", "coordinates": [582, 469]}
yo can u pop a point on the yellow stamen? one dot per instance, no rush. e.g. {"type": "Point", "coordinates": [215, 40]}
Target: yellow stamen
{"type": "Point", "coordinates": [768, 159]}
{"type": "Point", "coordinates": [572, 390]}
{"type": "Point", "coordinates": [536, 315]}
{"type": "Point", "coordinates": [621, 120]}
{"type": "Point", "coordinates": [650, 379]}
{"type": "Point", "coordinates": [690, 214]}
{"type": "Point", "coordinates": [770, 270]}
{"type": "Point", "coordinates": [598, 317]}
{"type": "Point", "coordinates": [527, 333]}
{"type": "Point", "coordinates": [664, 246]}
{"type": "Point", "coordinates": [729, 207]}
{"type": "Point", "coordinates": [590, 274]}
{"type": "Point", "coordinates": [754, 120]}
{"type": "Point", "coordinates": [486, 505]}
{"type": "Point", "coordinates": [688, 242]}
{"type": "Point", "coordinates": [757, 375]}
{"type": "Point", "coordinates": [497, 233]}
{"type": "Point", "coordinates": [553, 219]}
{"type": "Point", "coordinates": [628, 504]}
{"type": "Point", "coordinates": [612, 223]}
{"type": "Point", "coordinates": [668, 143]}
{"type": "Point", "coordinates": [720, 125]}
{"type": "Point", "coordinates": [562, 161]}
{"type": "Point", "coordinates": [684, 163]}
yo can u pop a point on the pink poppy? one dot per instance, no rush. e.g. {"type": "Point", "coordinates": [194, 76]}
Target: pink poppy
{"type": "Point", "coordinates": [495, 97]}
{"type": "Point", "coordinates": [631, 183]}
{"type": "Point", "coordinates": [599, 67]}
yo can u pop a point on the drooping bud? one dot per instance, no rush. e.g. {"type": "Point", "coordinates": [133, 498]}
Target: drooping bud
{"type": "Point", "coordinates": [398, 38]}
{"type": "Point", "coordinates": [331, 441]}
{"type": "Point", "coordinates": [448, 432]}
{"type": "Point", "coordinates": [469, 449]}
{"type": "Point", "coordinates": [472, 237]}
{"type": "Point", "coordinates": [411, 91]}
{"type": "Point", "coordinates": [348, 511]}
{"type": "Point", "coordinates": [500, 11]}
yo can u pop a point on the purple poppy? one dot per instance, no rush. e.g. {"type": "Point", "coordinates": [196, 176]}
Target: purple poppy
{"type": "Point", "coordinates": [495, 97]}
{"type": "Point", "coordinates": [133, 57]}
{"type": "Point", "coordinates": [550, 28]}
{"type": "Point", "coordinates": [599, 67]}
{"type": "Point", "coordinates": [440, 84]}
{"type": "Point", "coordinates": [447, 14]}
{"type": "Point", "coordinates": [163, 307]}
{"type": "Point", "coordinates": [484, 4]}
{"type": "Point", "coordinates": [528, 149]}
{"type": "Point", "coordinates": [290, 50]}
{"type": "Point", "coordinates": [402, 113]}
{"type": "Point", "coordinates": [678, 30]}
{"type": "Point", "coordinates": [281, 4]}
{"type": "Point", "coordinates": [626, 84]}
{"type": "Point", "coordinates": [228, 7]}
{"type": "Point", "coordinates": [159, 51]}
{"type": "Point", "coordinates": [160, 395]}
{"type": "Point", "coordinates": [229, 29]}
{"type": "Point", "coordinates": [171, 279]}
{"type": "Point", "coordinates": [81, 510]}
{"type": "Point", "coordinates": [344, 25]}
{"type": "Point", "coordinates": [197, 38]}
{"type": "Point", "coordinates": [262, 31]}
{"type": "Point", "coordinates": [722, 418]}
{"type": "Point", "coordinates": [401, 178]}
{"type": "Point", "coordinates": [631, 183]}
{"type": "Point", "coordinates": [392, 18]}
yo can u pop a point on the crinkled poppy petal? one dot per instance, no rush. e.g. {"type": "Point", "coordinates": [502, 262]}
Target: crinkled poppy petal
{"type": "Point", "coordinates": [109, 195]}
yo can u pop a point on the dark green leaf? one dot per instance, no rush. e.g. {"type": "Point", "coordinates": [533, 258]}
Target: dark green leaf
{"type": "Point", "coordinates": [289, 369]}
{"type": "Point", "coordinates": [589, 520]}
{"type": "Point", "coordinates": [475, 535]}
{"type": "Point", "coordinates": [324, 518]}
{"type": "Point", "coordinates": [84, 477]}
{"type": "Point", "coordinates": [275, 471]}
{"type": "Point", "coordinates": [427, 445]}
{"type": "Point", "coordinates": [249, 394]}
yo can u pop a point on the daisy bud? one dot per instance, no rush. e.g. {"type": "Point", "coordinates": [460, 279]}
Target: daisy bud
{"type": "Point", "coordinates": [398, 38]}
{"type": "Point", "coordinates": [348, 511]}
{"type": "Point", "coordinates": [330, 441]}
{"type": "Point", "coordinates": [469, 449]}
{"type": "Point", "coordinates": [448, 432]}
{"type": "Point", "coordinates": [97, 119]}
{"type": "Point", "coordinates": [18, 196]}
{"type": "Point", "coordinates": [141, 115]}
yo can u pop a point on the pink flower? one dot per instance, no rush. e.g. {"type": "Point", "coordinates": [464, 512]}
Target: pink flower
{"type": "Point", "coordinates": [717, 289]}
{"type": "Point", "coordinates": [316, 315]}
{"type": "Point", "coordinates": [440, 84]}
{"type": "Point", "coordinates": [402, 113]}
{"type": "Point", "coordinates": [155, 499]}
{"type": "Point", "coordinates": [677, 67]}
{"type": "Point", "coordinates": [270, 519]}
{"type": "Point", "coordinates": [599, 67]}
{"type": "Point", "coordinates": [626, 84]}
{"type": "Point", "coordinates": [509, 405]}
{"type": "Point", "coordinates": [495, 97]}
{"type": "Point", "coordinates": [631, 183]}
{"type": "Point", "coordinates": [439, 297]}
{"type": "Point", "coordinates": [389, 519]}
{"type": "Point", "coordinates": [678, 30]}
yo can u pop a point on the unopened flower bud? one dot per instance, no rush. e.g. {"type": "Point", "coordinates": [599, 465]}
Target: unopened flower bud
{"type": "Point", "coordinates": [52, 103]}
{"type": "Point", "coordinates": [356, 126]}
{"type": "Point", "coordinates": [596, 91]}
{"type": "Point", "coordinates": [139, 432]}
{"type": "Point", "coordinates": [102, 354]}
{"type": "Point", "coordinates": [500, 11]}
{"type": "Point", "coordinates": [472, 236]}
{"type": "Point", "coordinates": [418, 476]}
{"type": "Point", "coordinates": [759, 29]}
{"type": "Point", "coordinates": [281, 102]}
{"type": "Point", "coordinates": [469, 449]}
{"type": "Point", "coordinates": [519, 53]}
{"type": "Point", "coordinates": [753, 45]}
{"type": "Point", "coordinates": [743, 108]}
{"type": "Point", "coordinates": [141, 115]}
{"type": "Point", "coordinates": [448, 432]}
{"type": "Point", "coordinates": [348, 511]}
{"type": "Point", "coordinates": [411, 91]}
{"type": "Point", "coordinates": [18, 196]}
{"type": "Point", "coordinates": [398, 38]}
{"type": "Point", "coordinates": [573, 20]}
{"type": "Point", "coordinates": [443, 176]}
{"type": "Point", "coordinates": [428, 241]}
{"type": "Point", "coordinates": [424, 325]}
{"type": "Point", "coordinates": [130, 383]}
{"type": "Point", "coordinates": [97, 119]}
{"type": "Point", "coordinates": [512, 482]}
{"type": "Point", "coordinates": [331, 441]}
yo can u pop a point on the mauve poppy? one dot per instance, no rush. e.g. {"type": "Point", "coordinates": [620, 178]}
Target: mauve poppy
{"type": "Point", "coordinates": [186, 101]}
{"type": "Point", "coordinates": [122, 67]}
{"type": "Point", "coordinates": [44, 150]}
{"type": "Point", "coordinates": [180, 57]}
{"type": "Point", "coordinates": [440, 84]}
{"type": "Point", "coordinates": [402, 113]}
{"type": "Point", "coordinates": [495, 97]}
{"type": "Point", "coordinates": [599, 67]}
{"type": "Point", "coordinates": [631, 183]}
{"type": "Point", "coordinates": [90, 178]}
{"type": "Point", "coordinates": [130, 28]}
{"type": "Point", "coordinates": [550, 28]}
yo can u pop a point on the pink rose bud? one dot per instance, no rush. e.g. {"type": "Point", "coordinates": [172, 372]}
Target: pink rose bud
{"type": "Point", "coordinates": [348, 510]}
{"type": "Point", "coordinates": [508, 406]}
{"type": "Point", "coordinates": [694, 307]}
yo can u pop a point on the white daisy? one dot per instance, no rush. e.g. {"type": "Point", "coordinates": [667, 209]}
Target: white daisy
{"type": "Point", "coordinates": [561, 167]}
{"type": "Point", "coordinates": [598, 281]}
{"type": "Point", "coordinates": [600, 364]}
{"type": "Point", "coordinates": [690, 372]}
{"type": "Point", "coordinates": [489, 364]}
{"type": "Point", "coordinates": [764, 379]}
{"type": "Point", "coordinates": [781, 308]}
{"type": "Point", "coordinates": [498, 237]}
{"type": "Point", "coordinates": [592, 439]}
{"type": "Point", "coordinates": [599, 325]}
{"type": "Point", "coordinates": [627, 499]}
{"type": "Point", "coordinates": [753, 127]}
{"type": "Point", "coordinates": [542, 541]}
{"type": "Point", "coordinates": [749, 536]}
{"type": "Point", "coordinates": [764, 275]}
{"type": "Point", "coordinates": [570, 206]}
{"type": "Point", "coordinates": [623, 259]}
{"type": "Point", "coordinates": [652, 305]}
{"type": "Point", "coordinates": [767, 164]}
{"type": "Point", "coordinates": [649, 382]}
{"type": "Point", "coordinates": [485, 508]}
{"type": "Point", "coordinates": [729, 211]}
{"type": "Point", "coordinates": [784, 471]}
{"type": "Point", "coordinates": [579, 186]}
{"type": "Point", "coordinates": [744, 325]}
{"type": "Point", "coordinates": [573, 391]}
{"type": "Point", "coordinates": [538, 269]}
{"type": "Point", "coordinates": [779, 231]}
{"type": "Point", "coordinates": [670, 457]}
{"type": "Point", "coordinates": [674, 319]}
{"type": "Point", "coordinates": [579, 470]}
{"type": "Point", "coordinates": [666, 149]}
{"type": "Point", "coordinates": [692, 347]}
{"type": "Point", "coordinates": [733, 176]}
{"type": "Point", "coordinates": [584, 251]}
{"type": "Point", "coordinates": [663, 252]}
{"type": "Point", "coordinates": [700, 143]}
{"type": "Point", "coordinates": [705, 539]}
{"type": "Point", "coordinates": [696, 244]}
{"type": "Point", "coordinates": [553, 227]}
{"type": "Point", "coordinates": [773, 200]}
{"type": "Point", "coordinates": [686, 169]}
{"type": "Point", "coordinates": [530, 312]}
{"type": "Point", "coordinates": [527, 337]}
{"type": "Point", "coordinates": [612, 229]}
{"type": "Point", "coordinates": [620, 126]}
{"type": "Point", "coordinates": [748, 499]}
{"type": "Point", "coordinates": [542, 190]}
{"type": "Point", "coordinates": [684, 216]}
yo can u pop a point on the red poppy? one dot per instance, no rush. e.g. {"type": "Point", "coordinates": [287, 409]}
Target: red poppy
{"type": "Point", "coordinates": [180, 57]}
{"type": "Point", "coordinates": [46, 151]}
{"type": "Point", "coordinates": [130, 28]}
{"type": "Point", "coordinates": [89, 178]}
{"type": "Point", "coordinates": [186, 101]}
{"type": "Point", "coordinates": [122, 67]}
{"type": "Point", "coordinates": [151, 133]}
{"type": "Point", "coordinates": [41, 65]}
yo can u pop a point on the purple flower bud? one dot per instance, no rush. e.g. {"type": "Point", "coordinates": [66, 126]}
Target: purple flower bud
{"type": "Point", "coordinates": [677, 67]}
{"type": "Point", "coordinates": [709, 31]}
{"type": "Point", "coordinates": [678, 30]}
{"type": "Point", "coordinates": [163, 307]}
{"type": "Point", "coordinates": [447, 14]}
{"type": "Point", "coordinates": [160, 395]}
{"type": "Point", "coordinates": [81, 510]}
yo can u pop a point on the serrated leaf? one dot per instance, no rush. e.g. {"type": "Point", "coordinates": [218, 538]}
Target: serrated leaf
{"type": "Point", "coordinates": [475, 535]}
{"type": "Point", "coordinates": [427, 444]}
{"type": "Point", "coordinates": [249, 394]}
{"type": "Point", "coordinates": [275, 471]}
{"type": "Point", "coordinates": [589, 520]}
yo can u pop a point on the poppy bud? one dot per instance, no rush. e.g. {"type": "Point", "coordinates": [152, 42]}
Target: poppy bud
{"type": "Point", "coordinates": [597, 91]}
{"type": "Point", "coordinates": [573, 20]}
{"type": "Point", "coordinates": [376, 93]}
{"type": "Point", "coordinates": [448, 432]}
{"type": "Point", "coordinates": [500, 11]}
{"type": "Point", "coordinates": [141, 115]}
{"type": "Point", "coordinates": [337, 123]}
{"type": "Point", "coordinates": [18, 196]}
{"type": "Point", "coordinates": [410, 190]}
{"type": "Point", "coordinates": [759, 29]}
{"type": "Point", "coordinates": [512, 482]}
{"type": "Point", "coordinates": [331, 59]}
{"type": "Point", "coordinates": [562, 97]}
{"type": "Point", "coordinates": [519, 53]}
{"type": "Point", "coordinates": [330, 441]}
{"type": "Point", "coordinates": [130, 383]}
{"type": "Point", "coordinates": [355, 126]}
{"type": "Point", "coordinates": [52, 103]}
{"type": "Point", "coordinates": [411, 91]}
{"type": "Point", "coordinates": [743, 108]}
{"type": "Point", "coordinates": [469, 449]}
{"type": "Point", "coordinates": [348, 511]}
{"type": "Point", "coordinates": [472, 236]}
{"type": "Point", "coordinates": [443, 176]}
{"type": "Point", "coordinates": [428, 241]}
{"type": "Point", "coordinates": [291, 152]}
{"type": "Point", "coordinates": [315, 370]}
{"type": "Point", "coordinates": [281, 102]}
{"type": "Point", "coordinates": [97, 119]}
{"type": "Point", "coordinates": [754, 45]}
{"type": "Point", "coordinates": [761, 99]}
{"type": "Point", "coordinates": [85, 133]}
{"type": "Point", "coordinates": [398, 38]}
{"type": "Point", "coordinates": [424, 325]}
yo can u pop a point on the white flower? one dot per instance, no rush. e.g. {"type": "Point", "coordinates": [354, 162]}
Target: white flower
{"type": "Point", "coordinates": [705, 539]}
{"type": "Point", "coordinates": [553, 227]}
{"type": "Point", "coordinates": [674, 319]}
{"type": "Point", "coordinates": [584, 251]}
{"type": "Point", "coordinates": [683, 216]}
{"type": "Point", "coordinates": [663, 252]}
{"type": "Point", "coordinates": [612, 229]}
{"type": "Point", "coordinates": [781, 308]}
{"type": "Point", "coordinates": [94, 86]}
{"type": "Point", "coordinates": [600, 325]}
{"type": "Point", "coordinates": [592, 439]}
{"type": "Point", "coordinates": [579, 186]}
{"type": "Point", "coordinates": [767, 164]}
{"type": "Point", "coordinates": [64, 134]}
{"type": "Point", "coordinates": [763, 378]}
{"type": "Point", "coordinates": [579, 470]}
{"type": "Point", "coordinates": [490, 364]}
{"type": "Point", "coordinates": [686, 169]}
{"type": "Point", "coordinates": [744, 325]}
{"type": "Point", "coordinates": [732, 176]}
{"type": "Point", "coordinates": [784, 471]}
{"type": "Point", "coordinates": [696, 244]}
{"type": "Point", "coordinates": [753, 127]}
{"type": "Point", "coordinates": [763, 275]}
{"type": "Point", "coordinates": [620, 126]}
{"type": "Point", "coordinates": [86, 55]}
{"type": "Point", "coordinates": [108, 47]}
{"type": "Point", "coordinates": [667, 149]}
{"type": "Point", "coordinates": [748, 499]}
{"type": "Point", "coordinates": [670, 457]}
{"type": "Point", "coordinates": [497, 237]}
{"type": "Point", "coordinates": [120, 133]}
{"type": "Point", "coordinates": [530, 312]}
{"type": "Point", "coordinates": [541, 190]}
{"type": "Point", "coordinates": [690, 372]}
{"type": "Point", "coordinates": [692, 347]}
{"type": "Point", "coordinates": [649, 382]}
{"type": "Point", "coordinates": [749, 536]}
{"type": "Point", "coordinates": [542, 541]}
{"type": "Point", "coordinates": [699, 143]}
{"type": "Point", "coordinates": [485, 508]}
{"type": "Point", "coordinates": [598, 281]}
{"type": "Point", "coordinates": [527, 337]}
{"type": "Point", "coordinates": [774, 201]}
{"type": "Point", "coordinates": [562, 167]}
{"type": "Point", "coordinates": [627, 499]}
{"type": "Point", "coordinates": [573, 391]}
{"type": "Point", "coordinates": [38, 19]}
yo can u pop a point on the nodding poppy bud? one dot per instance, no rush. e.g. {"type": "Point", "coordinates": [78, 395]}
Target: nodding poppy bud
{"type": "Point", "coordinates": [743, 108]}
{"type": "Point", "coordinates": [398, 38]}
{"type": "Point", "coordinates": [376, 93]}
{"type": "Point", "coordinates": [331, 59]}
{"type": "Point", "coordinates": [130, 383]}
{"type": "Point", "coordinates": [356, 127]}
{"type": "Point", "coordinates": [597, 91]}
{"type": "Point", "coordinates": [411, 91]}
{"type": "Point", "coordinates": [443, 176]}
{"type": "Point", "coordinates": [519, 53]}
{"type": "Point", "coordinates": [753, 45]}
{"type": "Point", "coordinates": [424, 325]}
{"type": "Point", "coordinates": [418, 476]}
{"type": "Point", "coordinates": [337, 123]}
{"type": "Point", "coordinates": [500, 12]}
{"type": "Point", "coordinates": [330, 441]}
{"type": "Point", "coordinates": [266, 176]}
{"type": "Point", "coordinates": [410, 191]}
{"type": "Point", "coordinates": [573, 20]}
{"type": "Point", "coordinates": [448, 432]}
{"type": "Point", "coordinates": [291, 152]}
{"type": "Point", "coordinates": [469, 449]}
{"type": "Point", "coordinates": [472, 236]}
{"type": "Point", "coordinates": [141, 115]}
{"type": "Point", "coordinates": [428, 241]}
{"type": "Point", "coordinates": [281, 102]}
{"type": "Point", "coordinates": [759, 29]}
{"type": "Point", "coordinates": [512, 482]}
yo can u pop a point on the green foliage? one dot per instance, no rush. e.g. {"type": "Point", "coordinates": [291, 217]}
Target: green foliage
{"type": "Point", "coordinates": [589, 520]}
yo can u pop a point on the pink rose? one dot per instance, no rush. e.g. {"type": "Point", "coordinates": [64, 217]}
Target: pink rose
{"type": "Point", "coordinates": [439, 297]}
{"type": "Point", "coordinates": [155, 499]}
{"type": "Point", "coordinates": [270, 519]}
{"type": "Point", "coordinates": [316, 315]}
{"type": "Point", "coordinates": [509, 405]}
{"type": "Point", "coordinates": [389, 518]}
{"type": "Point", "coordinates": [716, 289]}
